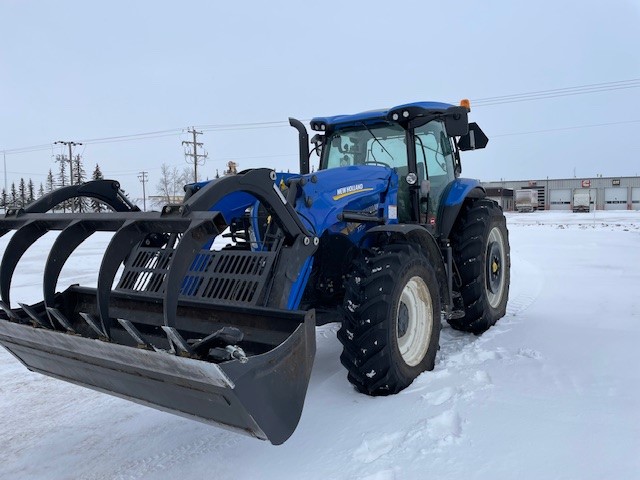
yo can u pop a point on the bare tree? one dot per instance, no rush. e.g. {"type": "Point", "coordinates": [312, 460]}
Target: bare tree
{"type": "Point", "coordinates": [170, 187]}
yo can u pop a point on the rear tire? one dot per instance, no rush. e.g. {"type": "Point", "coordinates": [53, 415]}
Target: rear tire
{"type": "Point", "coordinates": [391, 319]}
{"type": "Point", "coordinates": [480, 242]}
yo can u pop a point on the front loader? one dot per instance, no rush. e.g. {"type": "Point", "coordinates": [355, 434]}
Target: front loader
{"type": "Point", "coordinates": [208, 309]}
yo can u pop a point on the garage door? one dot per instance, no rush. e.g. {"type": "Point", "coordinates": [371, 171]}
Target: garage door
{"type": "Point", "coordinates": [615, 198]}
{"type": "Point", "coordinates": [635, 198]}
{"type": "Point", "coordinates": [560, 199]}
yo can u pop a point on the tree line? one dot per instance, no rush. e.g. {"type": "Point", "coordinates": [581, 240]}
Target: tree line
{"type": "Point", "coordinates": [169, 188]}
{"type": "Point", "coordinates": [21, 195]}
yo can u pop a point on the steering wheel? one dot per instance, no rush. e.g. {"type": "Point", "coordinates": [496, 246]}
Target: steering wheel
{"type": "Point", "coordinates": [377, 162]}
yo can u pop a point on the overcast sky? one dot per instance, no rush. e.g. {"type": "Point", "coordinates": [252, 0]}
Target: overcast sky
{"type": "Point", "coordinates": [82, 70]}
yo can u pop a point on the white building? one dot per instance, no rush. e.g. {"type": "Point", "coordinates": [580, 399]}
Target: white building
{"type": "Point", "coordinates": [607, 193]}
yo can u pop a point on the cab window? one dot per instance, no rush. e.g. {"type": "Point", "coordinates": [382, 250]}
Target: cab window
{"type": "Point", "coordinates": [434, 156]}
{"type": "Point", "coordinates": [377, 145]}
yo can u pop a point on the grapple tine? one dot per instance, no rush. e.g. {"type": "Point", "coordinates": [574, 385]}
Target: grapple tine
{"type": "Point", "coordinates": [65, 244]}
{"type": "Point", "coordinates": [190, 245]}
{"type": "Point", "coordinates": [119, 247]}
{"type": "Point", "coordinates": [93, 323]}
{"type": "Point", "coordinates": [176, 339]}
{"type": "Point", "coordinates": [10, 313]}
{"type": "Point", "coordinates": [17, 246]}
{"type": "Point", "coordinates": [33, 315]}
{"type": "Point", "coordinates": [136, 335]}
{"type": "Point", "coordinates": [62, 320]}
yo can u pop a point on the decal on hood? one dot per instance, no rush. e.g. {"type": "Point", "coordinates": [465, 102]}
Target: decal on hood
{"type": "Point", "coordinates": [350, 190]}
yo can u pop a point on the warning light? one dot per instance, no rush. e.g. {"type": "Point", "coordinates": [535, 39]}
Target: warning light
{"type": "Point", "coordinates": [466, 104]}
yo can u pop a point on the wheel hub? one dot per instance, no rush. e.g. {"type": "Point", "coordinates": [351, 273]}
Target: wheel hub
{"type": "Point", "coordinates": [494, 275]}
{"type": "Point", "coordinates": [414, 321]}
{"type": "Point", "coordinates": [494, 267]}
{"type": "Point", "coordinates": [403, 320]}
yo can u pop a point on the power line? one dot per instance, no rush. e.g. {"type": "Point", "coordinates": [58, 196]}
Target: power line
{"type": "Point", "coordinates": [577, 127]}
{"type": "Point", "coordinates": [556, 93]}
{"type": "Point", "coordinates": [556, 90]}
{"type": "Point", "coordinates": [255, 157]}
{"type": "Point", "coordinates": [479, 102]}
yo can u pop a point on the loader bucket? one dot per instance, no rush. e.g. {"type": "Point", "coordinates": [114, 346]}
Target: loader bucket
{"type": "Point", "coordinates": [262, 397]}
{"type": "Point", "coordinates": [206, 334]}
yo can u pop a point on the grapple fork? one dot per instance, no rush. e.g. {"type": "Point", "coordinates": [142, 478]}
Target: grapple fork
{"type": "Point", "coordinates": [207, 334]}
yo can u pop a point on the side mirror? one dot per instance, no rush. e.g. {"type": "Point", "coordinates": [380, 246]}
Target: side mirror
{"type": "Point", "coordinates": [317, 141]}
{"type": "Point", "coordinates": [474, 139]}
{"type": "Point", "coordinates": [456, 121]}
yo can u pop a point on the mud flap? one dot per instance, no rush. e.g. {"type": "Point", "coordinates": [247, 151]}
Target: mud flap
{"type": "Point", "coordinates": [262, 397]}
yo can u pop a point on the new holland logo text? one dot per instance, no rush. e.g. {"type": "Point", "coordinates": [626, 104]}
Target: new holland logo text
{"type": "Point", "coordinates": [350, 190]}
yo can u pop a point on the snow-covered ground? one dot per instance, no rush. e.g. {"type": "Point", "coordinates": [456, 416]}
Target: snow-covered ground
{"type": "Point", "coordinates": [551, 392]}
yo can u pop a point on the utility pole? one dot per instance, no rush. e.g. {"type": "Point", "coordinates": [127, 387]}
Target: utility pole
{"type": "Point", "coordinates": [70, 145]}
{"type": "Point", "coordinates": [195, 155]}
{"type": "Point", "coordinates": [143, 178]}
{"type": "Point", "coordinates": [4, 158]}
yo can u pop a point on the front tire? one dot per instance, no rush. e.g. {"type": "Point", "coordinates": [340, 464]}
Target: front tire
{"type": "Point", "coordinates": [391, 319]}
{"type": "Point", "coordinates": [480, 242]}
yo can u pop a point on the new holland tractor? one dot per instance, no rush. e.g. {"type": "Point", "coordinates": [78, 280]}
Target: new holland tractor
{"type": "Point", "coordinates": [208, 308]}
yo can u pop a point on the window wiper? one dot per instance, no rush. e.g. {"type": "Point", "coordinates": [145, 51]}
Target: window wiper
{"type": "Point", "coordinates": [376, 139]}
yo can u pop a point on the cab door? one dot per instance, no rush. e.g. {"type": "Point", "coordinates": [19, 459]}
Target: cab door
{"type": "Point", "coordinates": [435, 163]}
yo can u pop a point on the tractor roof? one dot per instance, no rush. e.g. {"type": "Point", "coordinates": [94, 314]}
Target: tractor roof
{"type": "Point", "coordinates": [377, 116]}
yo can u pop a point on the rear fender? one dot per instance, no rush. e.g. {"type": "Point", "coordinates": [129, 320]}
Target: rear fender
{"type": "Point", "coordinates": [454, 196]}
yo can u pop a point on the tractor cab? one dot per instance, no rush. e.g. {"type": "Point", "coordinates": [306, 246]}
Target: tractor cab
{"type": "Point", "coordinates": [417, 141]}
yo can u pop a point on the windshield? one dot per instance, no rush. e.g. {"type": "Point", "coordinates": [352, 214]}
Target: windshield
{"type": "Point", "coordinates": [367, 145]}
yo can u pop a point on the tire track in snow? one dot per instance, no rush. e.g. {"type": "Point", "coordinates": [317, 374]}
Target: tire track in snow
{"type": "Point", "coordinates": [162, 461]}
{"type": "Point", "coordinates": [524, 293]}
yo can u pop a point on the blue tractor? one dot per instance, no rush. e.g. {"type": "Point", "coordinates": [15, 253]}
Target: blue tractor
{"type": "Point", "coordinates": [208, 308]}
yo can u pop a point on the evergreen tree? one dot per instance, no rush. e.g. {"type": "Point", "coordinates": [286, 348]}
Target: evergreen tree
{"type": "Point", "coordinates": [13, 200]}
{"type": "Point", "coordinates": [80, 204]}
{"type": "Point", "coordinates": [62, 180]}
{"type": "Point", "coordinates": [31, 191]}
{"type": "Point", "coordinates": [79, 175]}
{"type": "Point", "coordinates": [97, 206]}
{"type": "Point", "coordinates": [62, 172]}
{"type": "Point", "coordinates": [3, 199]}
{"type": "Point", "coordinates": [41, 189]}
{"type": "Point", "coordinates": [22, 193]}
{"type": "Point", "coordinates": [50, 182]}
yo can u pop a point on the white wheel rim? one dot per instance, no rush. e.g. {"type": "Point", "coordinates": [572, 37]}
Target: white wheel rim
{"type": "Point", "coordinates": [415, 339]}
{"type": "Point", "coordinates": [495, 295]}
